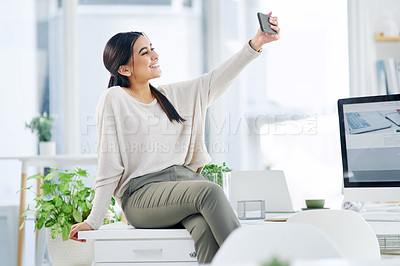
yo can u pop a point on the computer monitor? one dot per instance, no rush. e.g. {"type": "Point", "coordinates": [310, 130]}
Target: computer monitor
{"type": "Point", "coordinates": [370, 143]}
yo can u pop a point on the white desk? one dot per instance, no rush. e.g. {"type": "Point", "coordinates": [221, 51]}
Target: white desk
{"type": "Point", "coordinates": [329, 262]}
{"type": "Point", "coordinates": [42, 161]}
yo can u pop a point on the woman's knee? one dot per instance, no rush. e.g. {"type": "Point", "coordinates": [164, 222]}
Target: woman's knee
{"type": "Point", "coordinates": [213, 191]}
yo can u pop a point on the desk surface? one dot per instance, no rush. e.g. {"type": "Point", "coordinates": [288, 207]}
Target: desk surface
{"type": "Point", "coordinates": [329, 262]}
{"type": "Point", "coordinates": [65, 157]}
{"type": "Point", "coordinates": [55, 160]}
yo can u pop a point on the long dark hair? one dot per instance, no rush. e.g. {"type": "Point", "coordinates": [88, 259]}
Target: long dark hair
{"type": "Point", "coordinates": [117, 52]}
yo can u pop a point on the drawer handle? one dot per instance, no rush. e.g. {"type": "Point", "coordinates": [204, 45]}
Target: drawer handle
{"type": "Point", "coordinates": [193, 254]}
{"type": "Point", "coordinates": [147, 251]}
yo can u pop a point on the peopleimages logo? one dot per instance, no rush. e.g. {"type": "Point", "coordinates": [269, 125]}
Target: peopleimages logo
{"type": "Point", "coordinates": [277, 124]}
{"type": "Point", "coordinates": [155, 147]}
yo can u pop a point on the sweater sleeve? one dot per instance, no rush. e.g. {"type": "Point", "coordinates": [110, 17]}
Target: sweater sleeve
{"type": "Point", "coordinates": [110, 166]}
{"type": "Point", "coordinates": [222, 77]}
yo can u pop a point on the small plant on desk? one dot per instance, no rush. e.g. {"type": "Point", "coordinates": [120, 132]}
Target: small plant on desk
{"type": "Point", "coordinates": [215, 172]}
{"type": "Point", "coordinates": [275, 262]}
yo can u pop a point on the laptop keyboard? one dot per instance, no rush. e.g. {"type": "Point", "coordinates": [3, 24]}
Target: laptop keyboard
{"type": "Point", "coordinates": [355, 121]}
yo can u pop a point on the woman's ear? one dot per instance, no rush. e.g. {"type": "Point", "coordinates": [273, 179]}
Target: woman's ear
{"type": "Point", "coordinates": [124, 70]}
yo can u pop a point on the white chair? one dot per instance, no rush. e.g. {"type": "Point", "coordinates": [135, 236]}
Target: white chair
{"type": "Point", "coordinates": [351, 233]}
{"type": "Point", "coordinates": [260, 243]}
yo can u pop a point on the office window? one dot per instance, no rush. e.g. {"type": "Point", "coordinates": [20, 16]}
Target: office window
{"type": "Point", "coordinates": [308, 72]}
{"type": "Point", "coordinates": [98, 21]}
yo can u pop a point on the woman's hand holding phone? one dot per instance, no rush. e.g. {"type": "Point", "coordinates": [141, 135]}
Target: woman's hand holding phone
{"type": "Point", "coordinates": [271, 33]}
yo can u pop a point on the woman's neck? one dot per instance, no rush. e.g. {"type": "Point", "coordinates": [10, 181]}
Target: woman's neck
{"type": "Point", "coordinates": [141, 92]}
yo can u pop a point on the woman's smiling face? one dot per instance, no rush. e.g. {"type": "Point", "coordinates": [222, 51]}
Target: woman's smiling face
{"type": "Point", "coordinates": [145, 61]}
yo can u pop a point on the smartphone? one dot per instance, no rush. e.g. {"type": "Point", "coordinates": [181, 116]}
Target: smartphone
{"type": "Point", "coordinates": [265, 25]}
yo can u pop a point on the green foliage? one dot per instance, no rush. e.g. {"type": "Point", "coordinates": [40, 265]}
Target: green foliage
{"type": "Point", "coordinates": [113, 216]}
{"type": "Point", "coordinates": [214, 172]}
{"type": "Point", "coordinates": [43, 125]}
{"type": "Point", "coordinates": [275, 262]}
{"type": "Point", "coordinates": [64, 201]}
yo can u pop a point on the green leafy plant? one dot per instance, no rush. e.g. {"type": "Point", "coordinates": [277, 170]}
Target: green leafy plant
{"type": "Point", "coordinates": [113, 215]}
{"type": "Point", "coordinates": [275, 262]}
{"type": "Point", "coordinates": [64, 201]}
{"type": "Point", "coordinates": [42, 124]}
{"type": "Point", "coordinates": [214, 172]}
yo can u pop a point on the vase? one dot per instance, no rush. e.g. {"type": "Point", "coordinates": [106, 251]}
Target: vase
{"type": "Point", "coordinates": [70, 252]}
{"type": "Point", "coordinates": [47, 148]}
{"type": "Point", "coordinates": [226, 184]}
{"type": "Point", "coordinates": [224, 180]}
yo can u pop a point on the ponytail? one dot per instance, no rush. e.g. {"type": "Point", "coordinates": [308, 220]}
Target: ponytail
{"type": "Point", "coordinates": [167, 106]}
{"type": "Point", "coordinates": [111, 82]}
{"type": "Point", "coordinates": [118, 80]}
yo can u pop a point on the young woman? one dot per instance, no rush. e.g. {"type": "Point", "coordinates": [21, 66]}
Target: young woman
{"type": "Point", "coordinates": [151, 143]}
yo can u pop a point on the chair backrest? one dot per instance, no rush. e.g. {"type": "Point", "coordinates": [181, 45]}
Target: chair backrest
{"type": "Point", "coordinates": [260, 243]}
{"type": "Point", "coordinates": [351, 233]}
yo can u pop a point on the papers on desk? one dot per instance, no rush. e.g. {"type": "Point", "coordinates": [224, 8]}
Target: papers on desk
{"type": "Point", "coordinates": [278, 216]}
{"type": "Point", "coordinates": [269, 217]}
{"type": "Point", "coordinates": [251, 222]}
{"type": "Point", "coordinates": [276, 219]}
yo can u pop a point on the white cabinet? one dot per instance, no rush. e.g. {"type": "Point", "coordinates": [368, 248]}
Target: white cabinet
{"type": "Point", "coordinates": [122, 244]}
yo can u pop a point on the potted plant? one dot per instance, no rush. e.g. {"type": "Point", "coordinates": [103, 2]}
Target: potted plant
{"type": "Point", "coordinates": [42, 125]}
{"type": "Point", "coordinates": [112, 215]}
{"type": "Point", "coordinates": [64, 201]}
{"type": "Point", "coordinates": [275, 262]}
{"type": "Point", "coordinates": [219, 174]}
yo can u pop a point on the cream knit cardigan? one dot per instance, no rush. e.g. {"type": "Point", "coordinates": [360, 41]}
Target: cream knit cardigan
{"type": "Point", "coordinates": [135, 139]}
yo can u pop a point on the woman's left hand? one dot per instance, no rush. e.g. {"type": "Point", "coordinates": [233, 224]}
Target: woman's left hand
{"type": "Point", "coordinates": [76, 228]}
{"type": "Point", "coordinates": [262, 38]}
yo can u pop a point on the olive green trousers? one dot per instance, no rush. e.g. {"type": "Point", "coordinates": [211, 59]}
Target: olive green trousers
{"type": "Point", "coordinates": [177, 196]}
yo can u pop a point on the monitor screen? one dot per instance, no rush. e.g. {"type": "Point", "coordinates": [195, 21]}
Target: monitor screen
{"type": "Point", "coordinates": [370, 141]}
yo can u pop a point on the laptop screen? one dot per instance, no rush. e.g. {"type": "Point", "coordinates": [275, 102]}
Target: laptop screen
{"type": "Point", "coordinates": [267, 185]}
{"type": "Point", "coordinates": [370, 140]}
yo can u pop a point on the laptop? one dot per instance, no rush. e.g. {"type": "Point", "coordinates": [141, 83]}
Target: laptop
{"type": "Point", "coordinates": [268, 185]}
{"type": "Point", "coordinates": [360, 122]}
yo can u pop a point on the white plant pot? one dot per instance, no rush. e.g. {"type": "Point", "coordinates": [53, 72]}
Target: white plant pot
{"type": "Point", "coordinates": [47, 148]}
{"type": "Point", "coordinates": [70, 252]}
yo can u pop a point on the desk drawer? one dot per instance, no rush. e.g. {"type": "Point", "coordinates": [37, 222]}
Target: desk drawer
{"type": "Point", "coordinates": [144, 250]}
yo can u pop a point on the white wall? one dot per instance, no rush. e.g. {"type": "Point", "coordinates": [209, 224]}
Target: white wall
{"type": "Point", "coordinates": [18, 97]}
